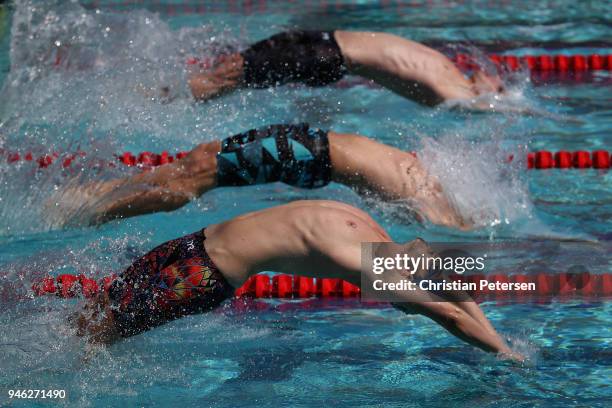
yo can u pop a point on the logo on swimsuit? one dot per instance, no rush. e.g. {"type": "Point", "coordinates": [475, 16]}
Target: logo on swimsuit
{"type": "Point", "coordinates": [190, 245]}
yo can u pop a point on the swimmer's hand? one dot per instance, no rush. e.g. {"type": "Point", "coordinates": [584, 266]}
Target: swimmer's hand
{"type": "Point", "coordinates": [508, 101]}
{"type": "Point", "coordinates": [429, 201]}
{"type": "Point", "coordinates": [95, 321]}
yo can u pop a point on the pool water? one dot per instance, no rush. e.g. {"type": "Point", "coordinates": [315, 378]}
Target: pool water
{"type": "Point", "coordinates": [101, 98]}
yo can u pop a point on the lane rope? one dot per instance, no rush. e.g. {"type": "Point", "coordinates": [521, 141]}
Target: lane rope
{"type": "Point", "coordinates": [283, 286]}
{"type": "Point", "coordinates": [541, 63]}
{"type": "Point", "coordinates": [540, 160]}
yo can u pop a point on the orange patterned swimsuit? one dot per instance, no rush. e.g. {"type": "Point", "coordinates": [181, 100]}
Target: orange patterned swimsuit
{"type": "Point", "coordinates": [175, 279]}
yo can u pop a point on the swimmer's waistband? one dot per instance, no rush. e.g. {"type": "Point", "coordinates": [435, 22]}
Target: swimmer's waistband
{"type": "Point", "coordinates": [293, 154]}
{"type": "Point", "coordinates": [310, 57]}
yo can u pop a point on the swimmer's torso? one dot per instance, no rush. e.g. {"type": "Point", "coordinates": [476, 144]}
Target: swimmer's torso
{"type": "Point", "coordinates": [281, 238]}
{"type": "Point", "coordinates": [406, 67]}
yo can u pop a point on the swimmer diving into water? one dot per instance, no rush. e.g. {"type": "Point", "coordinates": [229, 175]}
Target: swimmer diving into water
{"type": "Point", "coordinates": [318, 58]}
{"type": "Point", "coordinates": [197, 272]}
{"type": "Point", "coordinates": [298, 155]}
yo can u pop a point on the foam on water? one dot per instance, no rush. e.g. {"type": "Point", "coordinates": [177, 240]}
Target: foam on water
{"type": "Point", "coordinates": [483, 186]}
{"type": "Point", "coordinates": [36, 335]}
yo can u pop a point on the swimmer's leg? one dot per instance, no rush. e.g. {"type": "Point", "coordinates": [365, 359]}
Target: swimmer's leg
{"type": "Point", "coordinates": [293, 154]}
{"type": "Point", "coordinates": [164, 188]}
{"type": "Point", "coordinates": [174, 279]}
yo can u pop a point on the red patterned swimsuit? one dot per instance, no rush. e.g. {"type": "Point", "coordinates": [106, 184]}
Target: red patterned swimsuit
{"type": "Point", "coordinates": [175, 279]}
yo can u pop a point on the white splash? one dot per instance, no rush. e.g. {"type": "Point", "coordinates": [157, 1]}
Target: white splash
{"type": "Point", "coordinates": [483, 186]}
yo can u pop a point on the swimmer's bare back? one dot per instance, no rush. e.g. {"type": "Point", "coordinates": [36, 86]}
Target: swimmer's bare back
{"type": "Point", "coordinates": [321, 239]}
{"type": "Point", "coordinates": [314, 238]}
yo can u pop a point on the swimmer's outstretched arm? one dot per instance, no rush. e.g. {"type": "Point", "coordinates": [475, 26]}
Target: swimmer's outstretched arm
{"type": "Point", "coordinates": [370, 167]}
{"type": "Point", "coordinates": [411, 69]}
{"type": "Point", "coordinates": [454, 318]}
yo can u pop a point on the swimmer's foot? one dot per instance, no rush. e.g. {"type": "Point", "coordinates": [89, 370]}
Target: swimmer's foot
{"type": "Point", "coordinates": [165, 95]}
{"type": "Point", "coordinates": [205, 87]}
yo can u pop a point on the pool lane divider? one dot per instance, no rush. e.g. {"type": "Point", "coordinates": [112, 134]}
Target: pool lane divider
{"type": "Point", "coordinates": [541, 63]}
{"type": "Point", "coordinates": [581, 159]}
{"type": "Point", "coordinates": [534, 63]}
{"type": "Point", "coordinates": [283, 286]}
{"type": "Point", "coordinates": [540, 160]}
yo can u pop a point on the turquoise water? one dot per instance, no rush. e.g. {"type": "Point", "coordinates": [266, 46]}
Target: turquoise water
{"type": "Point", "coordinates": [99, 100]}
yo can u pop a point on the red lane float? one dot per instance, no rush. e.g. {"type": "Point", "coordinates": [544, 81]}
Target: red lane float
{"type": "Point", "coordinates": [282, 286]}
{"type": "Point", "coordinates": [542, 63]}
{"type": "Point", "coordinates": [534, 63]}
{"type": "Point", "coordinates": [543, 159]}
{"type": "Point", "coordinates": [540, 160]}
